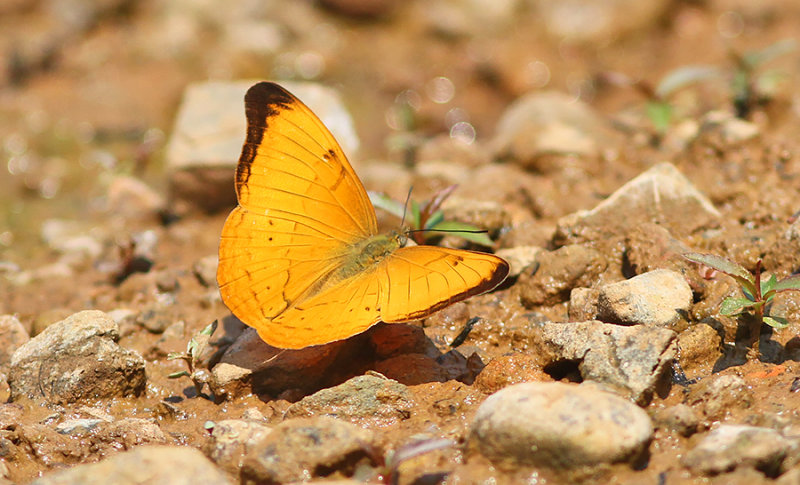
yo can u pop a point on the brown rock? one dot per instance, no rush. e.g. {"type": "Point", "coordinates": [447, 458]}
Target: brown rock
{"type": "Point", "coordinates": [700, 346]}
{"type": "Point", "coordinates": [305, 448]}
{"type": "Point", "coordinates": [231, 440]}
{"type": "Point", "coordinates": [412, 369]}
{"type": "Point", "coordinates": [717, 395]}
{"type": "Point", "coordinates": [558, 273]}
{"type": "Point", "coordinates": [367, 400]}
{"type": "Point", "coordinates": [660, 195]}
{"type": "Point", "coordinates": [511, 369]}
{"type": "Point", "coordinates": [12, 336]}
{"type": "Point", "coordinates": [158, 464]}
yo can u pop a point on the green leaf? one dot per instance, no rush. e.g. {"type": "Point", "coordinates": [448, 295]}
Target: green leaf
{"type": "Point", "coordinates": [465, 231]}
{"type": "Point", "coordinates": [734, 305]}
{"type": "Point", "coordinates": [788, 284]}
{"type": "Point", "coordinates": [210, 329]}
{"type": "Point", "coordinates": [176, 355]}
{"type": "Point", "coordinates": [199, 342]}
{"type": "Point", "coordinates": [416, 217]}
{"type": "Point", "coordinates": [741, 275]}
{"type": "Point", "coordinates": [660, 114]}
{"type": "Point", "coordinates": [768, 284]}
{"type": "Point", "coordinates": [383, 201]}
{"type": "Point", "coordinates": [684, 76]}
{"type": "Point", "coordinates": [176, 375]}
{"type": "Point", "coordinates": [776, 322]}
{"type": "Point", "coordinates": [755, 58]}
{"type": "Point", "coordinates": [435, 219]}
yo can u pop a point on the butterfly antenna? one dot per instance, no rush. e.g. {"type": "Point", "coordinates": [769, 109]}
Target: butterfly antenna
{"type": "Point", "coordinates": [405, 206]}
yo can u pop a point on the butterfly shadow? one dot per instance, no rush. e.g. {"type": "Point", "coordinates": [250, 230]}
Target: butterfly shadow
{"type": "Point", "coordinates": [398, 351]}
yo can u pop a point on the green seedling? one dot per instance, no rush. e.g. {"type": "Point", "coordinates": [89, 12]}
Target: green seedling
{"type": "Point", "coordinates": [751, 85]}
{"type": "Point", "coordinates": [194, 350]}
{"type": "Point", "coordinates": [659, 107]}
{"type": "Point", "coordinates": [758, 293]}
{"type": "Point", "coordinates": [427, 219]}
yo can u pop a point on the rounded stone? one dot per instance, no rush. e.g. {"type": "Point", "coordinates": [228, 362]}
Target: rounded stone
{"type": "Point", "coordinates": [559, 425]}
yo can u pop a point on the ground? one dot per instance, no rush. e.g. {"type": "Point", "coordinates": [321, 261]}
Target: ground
{"type": "Point", "coordinates": [89, 92]}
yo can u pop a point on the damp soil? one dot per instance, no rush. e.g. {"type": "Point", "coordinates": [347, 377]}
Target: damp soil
{"type": "Point", "coordinates": [99, 100]}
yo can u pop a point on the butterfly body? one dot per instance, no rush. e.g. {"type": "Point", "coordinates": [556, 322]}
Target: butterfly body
{"type": "Point", "coordinates": [301, 259]}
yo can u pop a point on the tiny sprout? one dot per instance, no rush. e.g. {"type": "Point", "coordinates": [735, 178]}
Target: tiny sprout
{"type": "Point", "coordinates": [758, 293]}
{"type": "Point", "coordinates": [659, 107]}
{"type": "Point", "coordinates": [192, 355]}
{"type": "Point", "coordinates": [427, 219]}
{"type": "Point", "coordinates": [751, 86]}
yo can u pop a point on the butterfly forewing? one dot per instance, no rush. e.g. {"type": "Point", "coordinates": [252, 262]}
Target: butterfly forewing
{"type": "Point", "coordinates": [300, 206]}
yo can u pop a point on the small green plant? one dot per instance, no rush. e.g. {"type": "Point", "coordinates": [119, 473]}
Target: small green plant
{"type": "Point", "coordinates": [751, 85]}
{"type": "Point", "coordinates": [659, 107]}
{"type": "Point", "coordinates": [427, 219]}
{"type": "Point", "coordinates": [194, 350]}
{"type": "Point", "coordinates": [758, 293]}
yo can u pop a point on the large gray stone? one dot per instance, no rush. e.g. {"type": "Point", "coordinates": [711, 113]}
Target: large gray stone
{"type": "Point", "coordinates": [632, 360]}
{"type": "Point", "coordinates": [660, 195]}
{"type": "Point", "coordinates": [76, 359]}
{"type": "Point", "coordinates": [559, 425]}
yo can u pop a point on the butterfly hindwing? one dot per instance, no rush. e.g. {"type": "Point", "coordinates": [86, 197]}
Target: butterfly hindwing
{"type": "Point", "coordinates": [419, 280]}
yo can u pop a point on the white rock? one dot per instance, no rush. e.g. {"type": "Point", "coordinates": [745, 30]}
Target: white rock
{"type": "Point", "coordinates": [560, 426]}
{"type": "Point", "coordinates": [657, 298]}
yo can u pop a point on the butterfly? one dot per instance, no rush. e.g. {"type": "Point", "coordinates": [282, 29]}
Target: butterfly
{"type": "Point", "coordinates": [300, 257]}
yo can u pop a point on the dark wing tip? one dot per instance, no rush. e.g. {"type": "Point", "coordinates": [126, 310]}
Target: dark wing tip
{"type": "Point", "coordinates": [499, 275]}
{"type": "Point", "coordinates": [261, 102]}
{"type": "Point", "coordinates": [267, 95]}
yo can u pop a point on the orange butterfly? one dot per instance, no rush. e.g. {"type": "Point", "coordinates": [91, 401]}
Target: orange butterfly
{"type": "Point", "coordinates": [300, 258]}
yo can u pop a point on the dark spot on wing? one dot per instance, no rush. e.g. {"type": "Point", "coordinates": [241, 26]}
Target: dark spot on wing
{"type": "Point", "coordinates": [262, 101]}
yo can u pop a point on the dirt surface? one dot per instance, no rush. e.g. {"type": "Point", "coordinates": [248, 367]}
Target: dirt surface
{"type": "Point", "coordinates": [89, 95]}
